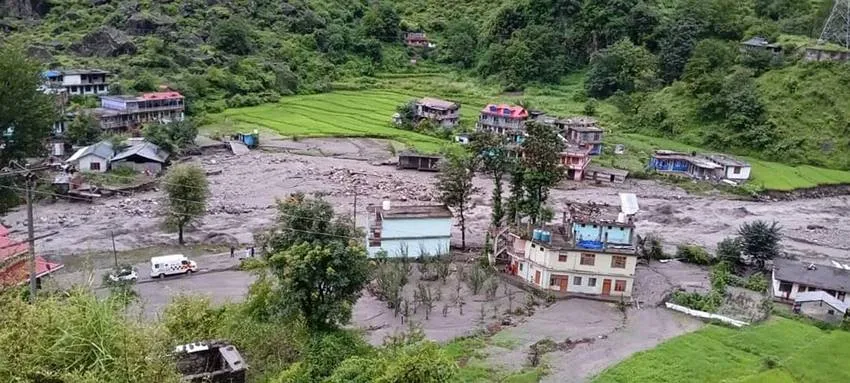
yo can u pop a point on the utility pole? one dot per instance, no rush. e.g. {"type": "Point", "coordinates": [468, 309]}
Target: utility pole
{"type": "Point", "coordinates": [30, 180]}
{"type": "Point", "coordinates": [114, 253]}
{"type": "Point", "coordinates": [355, 209]}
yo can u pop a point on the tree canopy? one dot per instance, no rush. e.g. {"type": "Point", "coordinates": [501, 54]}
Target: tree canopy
{"type": "Point", "coordinates": [186, 192]}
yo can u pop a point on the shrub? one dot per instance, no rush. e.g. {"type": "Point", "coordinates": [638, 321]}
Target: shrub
{"type": "Point", "coordinates": [694, 254]}
{"type": "Point", "coordinates": [757, 282]}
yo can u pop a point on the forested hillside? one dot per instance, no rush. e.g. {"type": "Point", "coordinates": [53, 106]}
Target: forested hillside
{"type": "Point", "coordinates": [671, 67]}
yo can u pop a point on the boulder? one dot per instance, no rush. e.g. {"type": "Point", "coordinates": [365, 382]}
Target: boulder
{"type": "Point", "coordinates": [105, 42]}
{"type": "Point", "coordinates": [148, 23]}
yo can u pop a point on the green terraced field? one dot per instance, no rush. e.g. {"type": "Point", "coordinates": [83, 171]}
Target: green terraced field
{"type": "Point", "coordinates": [801, 352]}
{"type": "Point", "coordinates": [337, 114]}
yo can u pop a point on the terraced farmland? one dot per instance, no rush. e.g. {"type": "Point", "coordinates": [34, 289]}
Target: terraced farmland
{"type": "Point", "coordinates": [336, 114]}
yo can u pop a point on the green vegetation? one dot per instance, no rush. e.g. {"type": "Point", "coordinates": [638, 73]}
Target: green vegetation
{"type": "Point", "coordinates": [186, 189]}
{"type": "Point", "coordinates": [776, 351]}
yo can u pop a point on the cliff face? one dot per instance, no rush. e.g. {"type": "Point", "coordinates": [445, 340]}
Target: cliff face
{"type": "Point", "coordinates": [24, 9]}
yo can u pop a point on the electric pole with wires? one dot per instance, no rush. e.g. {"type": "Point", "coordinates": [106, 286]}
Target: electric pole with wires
{"type": "Point", "coordinates": [29, 176]}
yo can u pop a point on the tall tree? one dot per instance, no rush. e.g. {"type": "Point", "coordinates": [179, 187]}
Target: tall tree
{"type": "Point", "coordinates": [493, 154]}
{"type": "Point", "coordinates": [306, 220]}
{"type": "Point", "coordinates": [760, 240]}
{"type": "Point", "coordinates": [84, 129]}
{"type": "Point", "coordinates": [186, 192]}
{"type": "Point", "coordinates": [454, 183]}
{"type": "Point", "coordinates": [320, 282]}
{"type": "Point", "coordinates": [382, 22]}
{"type": "Point", "coordinates": [26, 113]}
{"type": "Point", "coordinates": [173, 136]}
{"type": "Point", "coordinates": [620, 67]}
{"type": "Point", "coordinates": [541, 161]}
{"type": "Point", "coordinates": [517, 197]}
{"type": "Point", "coordinates": [461, 42]}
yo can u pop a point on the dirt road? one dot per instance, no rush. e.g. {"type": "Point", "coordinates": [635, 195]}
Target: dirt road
{"type": "Point", "coordinates": [242, 202]}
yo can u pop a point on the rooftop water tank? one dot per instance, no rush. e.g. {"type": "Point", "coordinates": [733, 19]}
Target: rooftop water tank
{"type": "Point", "coordinates": [535, 235]}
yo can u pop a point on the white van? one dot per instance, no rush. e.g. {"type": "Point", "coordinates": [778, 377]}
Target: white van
{"type": "Point", "coordinates": [172, 264]}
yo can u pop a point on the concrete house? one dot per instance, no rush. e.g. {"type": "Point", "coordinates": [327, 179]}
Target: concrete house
{"type": "Point", "coordinates": [441, 112]}
{"type": "Point", "coordinates": [504, 120]}
{"type": "Point", "coordinates": [583, 131]}
{"type": "Point", "coordinates": [79, 82]}
{"type": "Point", "coordinates": [714, 167]}
{"type": "Point", "coordinates": [143, 157]}
{"type": "Point", "coordinates": [94, 158]}
{"type": "Point", "coordinates": [412, 231]}
{"type": "Point", "coordinates": [821, 306]}
{"type": "Point", "coordinates": [760, 44]}
{"type": "Point", "coordinates": [733, 169]}
{"type": "Point", "coordinates": [421, 162]}
{"type": "Point", "coordinates": [417, 39]}
{"type": "Point", "coordinates": [575, 160]}
{"type": "Point", "coordinates": [577, 257]}
{"type": "Point", "coordinates": [127, 112]}
{"type": "Point", "coordinates": [833, 54]}
{"type": "Point", "coordinates": [791, 278]}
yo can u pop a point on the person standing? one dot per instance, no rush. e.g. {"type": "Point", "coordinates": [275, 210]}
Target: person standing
{"type": "Point", "coordinates": [252, 251]}
{"type": "Point", "coordinates": [232, 251]}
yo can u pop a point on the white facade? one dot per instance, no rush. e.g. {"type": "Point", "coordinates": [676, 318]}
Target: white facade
{"type": "Point", "coordinates": [409, 235]}
{"type": "Point", "coordinates": [92, 163]}
{"type": "Point", "coordinates": [737, 173]}
{"type": "Point", "coordinates": [789, 290]}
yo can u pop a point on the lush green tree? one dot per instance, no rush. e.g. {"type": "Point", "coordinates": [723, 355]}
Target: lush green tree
{"type": "Point", "coordinates": [760, 241]}
{"type": "Point", "coordinates": [541, 163]}
{"type": "Point", "coordinates": [738, 107]}
{"type": "Point", "coordinates": [186, 192]}
{"type": "Point", "coordinates": [461, 41]}
{"type": "Point", "coordinates": [407, 114]}
{"type": "Point", "coordinates": [235, 36]}
{"type": "Point", "coordinates": [84, 129]}
{"type": "Point", "coordinates": [729, 250]}
{"type": "Point", "coordinates": [492, 151]}
{"type": "Point", "coordinates": [709, 63]}
{"type": "Point", "coordinates": [454, 183]}
{"type": "Point", "coordinates": [622, 66]}
{"type": "Point", "coordinates": [320, 282]}
{"type": "Point", "coordinates": [173, 136]}
{"type": "Point", "coordinates": [675, 46]}
{"type": "Point", "coordinates": [307, 220]}
{"type": "Point", "coordinates": [515, 201]}
{"type": "Point", "coordinates": [382, 22]}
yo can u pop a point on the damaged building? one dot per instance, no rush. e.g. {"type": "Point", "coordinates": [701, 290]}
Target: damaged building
{"type": "Point", "coordinates": [210, 362]}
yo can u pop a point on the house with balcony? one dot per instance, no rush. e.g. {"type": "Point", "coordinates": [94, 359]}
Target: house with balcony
{"type": "Point", "coordinates": [575, 160]}
{"type": "Point", "coordinates": [712, 167]}
{"type": "Point", "coordinates": [441, 112]}
{"type": "Point", "coordinates": [582, 131]}
{"type": "Point", "coordinates": [417, 39]}
{"type": "Point", "coordinates": [504, 120]}
{"type": "Point", "coordinates": [578, 257]}
{"type": "Point", "coordinates": [408, 230]}
{"type": "Point", "coordinates": [78, 82]}
{"type": "Point", "coordinates": [131, 112]}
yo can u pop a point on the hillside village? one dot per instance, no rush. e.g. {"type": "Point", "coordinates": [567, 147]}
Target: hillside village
{"type": "Point", "coordinates": [329, 191]}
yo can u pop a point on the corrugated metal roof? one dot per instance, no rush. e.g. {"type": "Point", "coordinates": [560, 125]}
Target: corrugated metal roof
{"type": "Point", "coordinates": [823, 296]}
{"type": "Point", "coordinates": [145, 150]}
{"type": "Point", "coordinates": [820, 276]}
{"type": "Point", "coordinates": [101, 149]}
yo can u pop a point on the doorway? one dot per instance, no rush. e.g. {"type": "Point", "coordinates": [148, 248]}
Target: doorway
{"type": "Point", "coordinates": [606, 287]}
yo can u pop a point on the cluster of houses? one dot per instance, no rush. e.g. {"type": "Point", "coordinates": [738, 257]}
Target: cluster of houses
{"type": "Point", "coordinates": [581, 135]}
{"type": "Point", "coordinates": [116, 113]}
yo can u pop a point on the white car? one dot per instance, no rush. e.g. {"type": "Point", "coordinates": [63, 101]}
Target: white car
{"type": "Point", "coordinates": [124, 275]}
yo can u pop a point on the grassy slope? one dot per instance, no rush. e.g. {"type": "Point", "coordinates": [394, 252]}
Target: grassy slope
{"type": "Point", "coordinates": [717, 354]}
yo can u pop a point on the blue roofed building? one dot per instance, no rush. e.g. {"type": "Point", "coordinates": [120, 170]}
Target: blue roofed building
{"type": "Point", "coordinates": [411, 230]}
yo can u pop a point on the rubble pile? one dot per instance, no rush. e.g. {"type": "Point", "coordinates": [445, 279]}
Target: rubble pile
{"type": "Point", "coordinates": [384, 186]}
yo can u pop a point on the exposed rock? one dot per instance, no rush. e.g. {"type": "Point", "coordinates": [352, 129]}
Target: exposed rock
{"type": "Point", "coordinates": [24, 9]}
{"type": "Point", "coordinates": [148, 23]}
{"type": "Point", "coordinates": [105, 42]}
{"type": "Point", "coordinates": [40, 53]}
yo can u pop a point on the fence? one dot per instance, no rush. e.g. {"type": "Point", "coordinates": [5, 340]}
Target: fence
{"type": "Point", "coordinates": [703, 314]}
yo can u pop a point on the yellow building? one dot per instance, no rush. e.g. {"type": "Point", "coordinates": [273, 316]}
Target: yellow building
{"type": "Point", "coordinates": [593, 258]}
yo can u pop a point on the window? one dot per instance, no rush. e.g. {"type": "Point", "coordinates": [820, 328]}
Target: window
{"type": "Point", "coordinates": [591, 282]}
{"type": "Point", "coordinates": [577, 281]}
{"type": "Point", "coordinates": [785, 286]}
{"type": "Point", "coordinates": [830, 312]}
{"type": "Point", "coordinates": [801, 288]}
{"type": "Point", "coordinates": [520, 266]}
{"type": "Point", "coordinates": [552, 282]}
{"type": "Point", "coordinates": [588, 259]}
{"type": "Point", "coordinates": [620, 286]}
{"type": "Point", "coordinates": [618, 262]}
{"type": "Point", "coordinates": [94, 165]}
{"type": "Point", "coordinates": [562, 258]}
{"type": "Point", "coordinates": [737, 170]}
{"type": "Point", "coordinates": [840, 296]}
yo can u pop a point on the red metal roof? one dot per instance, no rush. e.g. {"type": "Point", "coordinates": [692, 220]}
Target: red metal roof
{"type": "Point", "coordinates": [19, 272]}
{"type": "Point", "coordinates": [161, 95]}
{"type": "Point", "coordinates": [505, 110]}
{"type": "Point", "coordinates": [9, 247]}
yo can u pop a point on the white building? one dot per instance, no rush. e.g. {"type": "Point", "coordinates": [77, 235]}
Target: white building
{"type": "Point", "coordinates": [411, 231]}
{"type": "Point", "coordinates": [820, 305]}
{"type": "Point", "coordinates": [93, 158]}
{"type": "Point", "coordinates": [791, 278]}
{"type": "Point", "coordinates": [733, 169]}
{"type": "Point", "coordinates": [78, 82]}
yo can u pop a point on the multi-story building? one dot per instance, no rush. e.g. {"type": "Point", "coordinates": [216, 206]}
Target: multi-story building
{"type": "Point", "coordinates": [78, 82]}
{"type": "Point", "coordinates": [576, 257]}
{"type": "Point", "coordinates": [441, 112]}
{"type": "Point", "coordinates": [582, 131]}
{"type": "Point", "coordinates": [128, 112]}
{"type": "Point", "coordinates": [575, 159]}
{"type": "Point", "coordinates": [408, 231]}
{"type": "Point", "coordinates": [505, 120]}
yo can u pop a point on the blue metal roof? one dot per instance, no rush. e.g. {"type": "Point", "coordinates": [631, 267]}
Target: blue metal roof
{"type": "Point", "coordinates": [51, 73]}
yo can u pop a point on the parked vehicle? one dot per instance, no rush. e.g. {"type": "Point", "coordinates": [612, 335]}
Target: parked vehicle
{"type": "Point", "coordinates": [123, 275]}
{"type": "Point", "coordinates": [172, 264]}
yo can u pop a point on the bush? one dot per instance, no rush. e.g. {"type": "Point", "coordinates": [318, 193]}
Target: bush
{"type": "Point", "coordinates": [757, 282]}
{"type": "Point", "coordinates": [694, 300]}
{"type": "Point", "coordinates": [694, 254]}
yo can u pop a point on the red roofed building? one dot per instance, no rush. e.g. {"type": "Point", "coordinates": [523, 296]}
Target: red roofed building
{"type": "Point", "coordinates": [416, 39]}
{"type": "Point", "coordinates": [14, 262]}
{"type": "Point", "coordinates": [505, 120]}
{"type": "Point", "coordinates": [128, 112]}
